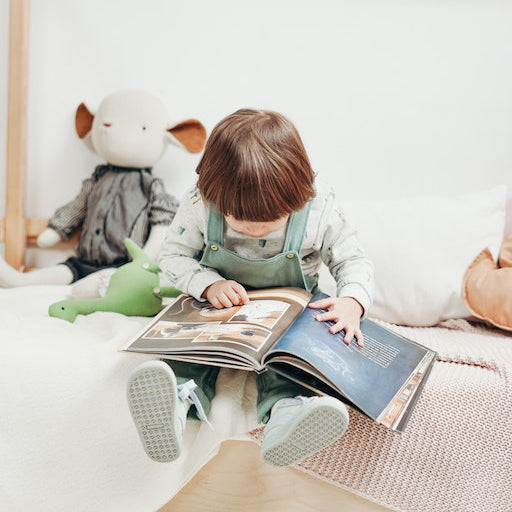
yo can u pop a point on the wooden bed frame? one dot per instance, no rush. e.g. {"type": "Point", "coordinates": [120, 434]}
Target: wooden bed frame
{"type": "Point", "coordinates": [235, 479]}
{"type": "Point", "coordinates": [13, 229]}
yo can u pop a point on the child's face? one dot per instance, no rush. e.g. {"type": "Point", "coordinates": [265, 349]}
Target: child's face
{"type": "Point", "coordinates": [256, 229]}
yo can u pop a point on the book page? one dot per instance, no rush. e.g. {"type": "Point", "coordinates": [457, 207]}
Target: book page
{"type": "Point", "coordinates": [371, 377]}
{"type": "Point", "coordinates": [190, 325]}
{"type": "Point", "coordinates": [374, 350]}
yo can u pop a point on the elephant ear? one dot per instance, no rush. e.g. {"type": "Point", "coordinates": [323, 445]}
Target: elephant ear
{"type": "Point", "coordinates": [83, 121]}
{"type": "Point", "coordinates": [189, 134]}
{"type": "Point", "coordinates": [83, 124]}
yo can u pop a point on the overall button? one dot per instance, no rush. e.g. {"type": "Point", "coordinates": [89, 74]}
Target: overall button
{"type": "Point", "coordinates": [290, 255]}
{"type": "Point", "coordinates": [214, 247]}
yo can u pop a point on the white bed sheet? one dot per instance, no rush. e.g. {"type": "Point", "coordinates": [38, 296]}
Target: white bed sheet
{"type": "Point", "coordinates": [66, 438]}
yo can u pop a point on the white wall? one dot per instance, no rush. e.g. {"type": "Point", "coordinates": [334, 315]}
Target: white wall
{"type": "Point", "coordinates": [393, 98]}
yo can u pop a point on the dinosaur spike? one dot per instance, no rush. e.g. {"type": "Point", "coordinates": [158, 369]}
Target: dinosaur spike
{"type": "Point", "coordinates": [134, 250]}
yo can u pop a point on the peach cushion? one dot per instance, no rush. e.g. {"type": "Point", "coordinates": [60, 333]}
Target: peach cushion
{"type": "Point", "coordinates": [487, 289]}
{"type": "Point", "coordinates": [505, 258]}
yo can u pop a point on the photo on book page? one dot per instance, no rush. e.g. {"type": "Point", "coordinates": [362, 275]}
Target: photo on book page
{"type": "Point", "coordinates": [261, 312]}
{"type": "Point", "coordinates": [188, 309]}
{"type": "Point", "coordinates": [250, 336]}
{"type": "Point", "coordinates": [176, 330]}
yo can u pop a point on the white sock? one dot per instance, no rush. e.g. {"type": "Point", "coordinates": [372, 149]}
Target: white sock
{"type": "Point", "coordinates": [10, 278]}
{"type": "Point", "coordinates": [93, 286]}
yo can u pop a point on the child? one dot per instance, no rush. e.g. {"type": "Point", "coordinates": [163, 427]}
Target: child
{"type": "Point", "coordinates": [256, 219]}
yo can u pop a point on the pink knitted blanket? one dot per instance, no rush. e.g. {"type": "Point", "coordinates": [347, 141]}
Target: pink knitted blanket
{"type": "Point", "coordinates": [456, 452]}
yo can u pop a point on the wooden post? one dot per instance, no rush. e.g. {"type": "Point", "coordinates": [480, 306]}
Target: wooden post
{"type": "Point", "coordinates": [15, 229]}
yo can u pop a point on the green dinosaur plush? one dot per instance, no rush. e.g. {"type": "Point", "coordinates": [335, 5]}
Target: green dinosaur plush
{"type": "Point", "coordinates": [134, 290]}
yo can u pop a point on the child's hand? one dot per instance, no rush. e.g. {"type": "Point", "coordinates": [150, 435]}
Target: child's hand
{"type": "Point", "coordinates": [345, 312]}
{"type": "Point", "coordinates": [225, 294]}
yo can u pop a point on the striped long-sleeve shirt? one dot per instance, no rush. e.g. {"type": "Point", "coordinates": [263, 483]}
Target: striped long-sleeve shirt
{"type": "Point", "coordinates": [115, 203]}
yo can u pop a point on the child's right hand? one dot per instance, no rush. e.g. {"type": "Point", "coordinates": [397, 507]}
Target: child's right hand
{"type": "Point", "coordinates": [225, 294]}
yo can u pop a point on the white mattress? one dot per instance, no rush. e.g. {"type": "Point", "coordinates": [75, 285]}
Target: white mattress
{"type": "Point", "coordinates": [66, 438]}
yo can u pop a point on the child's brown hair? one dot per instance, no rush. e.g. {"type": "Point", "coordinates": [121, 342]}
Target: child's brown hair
{"type": "Point", "coordinates": [255, 167]}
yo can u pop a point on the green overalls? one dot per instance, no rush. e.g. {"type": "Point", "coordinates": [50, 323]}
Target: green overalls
{"type": "Point", "coordinates": [283, 269]}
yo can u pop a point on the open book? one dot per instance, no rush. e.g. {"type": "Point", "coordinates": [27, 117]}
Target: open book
{"type": "Point", "coordinates": [277, 331]}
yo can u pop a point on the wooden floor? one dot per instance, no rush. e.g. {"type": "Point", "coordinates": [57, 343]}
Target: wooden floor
{"type": "Point", "coordinates": [236, 480]}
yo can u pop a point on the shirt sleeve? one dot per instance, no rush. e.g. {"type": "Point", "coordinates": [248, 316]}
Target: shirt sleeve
{"type": "Point", "coordinates": [183, 248]}
{"type": "Point", "coordinates": [346, 259]}
{"type": "Point", "coordinates": [68, 218]}
{"type": "Point", "coordinates": [163, 206]}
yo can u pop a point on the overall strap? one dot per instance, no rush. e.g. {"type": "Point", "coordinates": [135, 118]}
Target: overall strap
{"type": "Point", "coordinates": [296, 229]}
{"type": "Point", "coordinates": [215, 226]}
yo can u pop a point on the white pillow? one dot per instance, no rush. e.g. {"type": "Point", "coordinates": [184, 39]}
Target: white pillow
{"type": "Point", "coordinates": [421, 248]}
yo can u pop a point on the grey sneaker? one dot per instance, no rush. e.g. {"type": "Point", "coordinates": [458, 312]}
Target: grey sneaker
{"type": "Point", "coordinates": [157, 412]}
{"type": "Point", "coordinates": [301, 426]}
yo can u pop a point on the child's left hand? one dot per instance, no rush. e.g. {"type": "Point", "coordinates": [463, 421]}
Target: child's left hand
{"type": "Point", "coordinates": [345, 312]}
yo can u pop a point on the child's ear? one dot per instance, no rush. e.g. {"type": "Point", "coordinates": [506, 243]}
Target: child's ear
{"type": "Point", "coordinates": [189, 134]}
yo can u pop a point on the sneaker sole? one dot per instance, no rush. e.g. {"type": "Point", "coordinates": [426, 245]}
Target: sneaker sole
{"type": "Point", "coordinates": [152, 401]}
{"type": "Point", "coordinates": [318, 429]}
